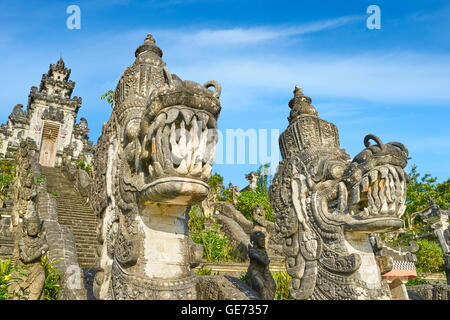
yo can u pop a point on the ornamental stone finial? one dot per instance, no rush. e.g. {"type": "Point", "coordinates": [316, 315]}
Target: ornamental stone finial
{"type": "Point", "coordinates": [300, 105]}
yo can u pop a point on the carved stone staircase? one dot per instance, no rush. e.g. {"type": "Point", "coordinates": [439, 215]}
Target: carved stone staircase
{"type": "Point", "coordinates": [74, 212]}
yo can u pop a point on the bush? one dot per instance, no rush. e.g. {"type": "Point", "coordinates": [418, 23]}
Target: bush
{"type": "Point", "coordinates": [216, 247]}
{"type": "Point", "coordinates": [196, 220]}
{"type": "Point", "coordinates": [7, 268]}
{"type": "Point", "coordinates": [249, 200]}
{"type": "Point", "coordinates": [7, 175]}
{"type": "Point", "coordinates": [203, 271]}
{"type": "Point", "coordinates": [52, 279]}
{"type": "Point", "coordinates": [416, 281]}
{"type": "Point", "coordinates": [5, 275]}
{"type": "Point", "coordinates": [429, 257]}
{"type": "Point", "coordinates": [83, 165]}
{"type": "Point", "coordinates": [283, 279]}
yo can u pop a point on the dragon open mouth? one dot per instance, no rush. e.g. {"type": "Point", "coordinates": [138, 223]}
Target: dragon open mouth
{"type": "Point", "coordinates": [181, 142]}
{"type": "Point", "coordinates": [180, 145]}
{"type": "Point", "coordinates": [381, 192]}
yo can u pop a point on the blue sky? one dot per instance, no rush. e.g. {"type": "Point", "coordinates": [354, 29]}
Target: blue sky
{"type": "Point", "coordinates": [393, 82]}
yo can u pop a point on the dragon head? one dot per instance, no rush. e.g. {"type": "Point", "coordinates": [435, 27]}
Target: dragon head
{"type": "Point", "coordinates": [170, 139]}
{"type": "Point", "coordinates": [152, 163]}
{"type": "Point", "coordinates": [326, 204]}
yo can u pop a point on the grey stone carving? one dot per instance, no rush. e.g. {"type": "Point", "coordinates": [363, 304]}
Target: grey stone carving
{"type": "Point", "coordinates": [31, 247]}
{"type": "Point", "coordinates": [258, 274]}
{"type": "Point", "coordinates": [252, 178]}
{"type": "Point", "coordinates": [326, 204]}
{"type": "Point", "coordinates": [396, 265]}
{"type": "Point", "coordinates": [53, 114]}
{"type": "Point", "coordinates": [50, 109]}
{"type": "Point", "coordinates": [152, 163]}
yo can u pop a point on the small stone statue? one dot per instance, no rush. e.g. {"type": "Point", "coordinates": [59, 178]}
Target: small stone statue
{"type": "Point", "coordinates": [234, 193]}
{"type": "Point", "coordinates": [258, 273]}
{"type": "Point", "coordinates": [259, 222]}
{"type": "Point", "coordinates": [32, 246]}
{"type": "Point", "coordinates": [252, 178]}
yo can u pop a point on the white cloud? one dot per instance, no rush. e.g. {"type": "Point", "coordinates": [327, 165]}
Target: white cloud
{"type": "Point", "coordinates": [252, 36]}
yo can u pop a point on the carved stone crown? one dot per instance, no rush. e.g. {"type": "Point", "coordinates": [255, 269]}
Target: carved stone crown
{"type": "Point", "coordinates": [307, 133]}
{"type": "Point", "coordinates": [134, 87]}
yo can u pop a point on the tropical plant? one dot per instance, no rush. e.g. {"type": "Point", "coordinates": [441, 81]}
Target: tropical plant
{"type": "Point", "coordinates": [196, 220]}
{"type": "Point", "coordinates": [109, 97]}
{"type": "Point", "coordinates": [7, 271]}
{"type": "Point", "coordinates": [429, 257]}
{"type": "Point", "coordinates": [216, 247]}
{"type": "Point", "coordinates": [6, 268]}
{"type": "Point", "coordinates": [419, 191]}
{"type": "Point", "coordinates": [203, 271]}
{"type": "Point", "coordinates": [248, 200]}
{"type": "Point", "coordinates": [416, 281]}
{"type": "Point", "coordinates": [7, 175]}
{"type": "Point", "coordinates": [83, 165]}
{"type": "Point", "coordinates": [52, 279]}
{"type": "Point", "coordinates": [282, 279]}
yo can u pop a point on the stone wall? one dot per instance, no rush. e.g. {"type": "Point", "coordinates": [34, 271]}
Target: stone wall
{"type": "Point", "coordinates": [30, 191]}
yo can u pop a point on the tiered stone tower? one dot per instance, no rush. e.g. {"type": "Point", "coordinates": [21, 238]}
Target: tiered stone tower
{"type": "Point", "coordinates": [49, 120]}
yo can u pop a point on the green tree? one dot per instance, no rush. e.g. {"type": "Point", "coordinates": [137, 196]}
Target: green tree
{"type": "Point", "coordinates": [419, 191]}
{"type": "Point", "coordinates": [249, 199]}
{"type": "Point", "coordinates": [429, 257]}
{"type": "Point", "coordinates": [265, 178]}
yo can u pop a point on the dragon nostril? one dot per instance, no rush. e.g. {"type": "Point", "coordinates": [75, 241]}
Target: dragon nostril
{"type": "Point", "coordinates": [374, 138]}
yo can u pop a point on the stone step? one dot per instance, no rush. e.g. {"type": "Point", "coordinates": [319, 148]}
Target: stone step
{"type": "Point", "coordinates": [74, 212]}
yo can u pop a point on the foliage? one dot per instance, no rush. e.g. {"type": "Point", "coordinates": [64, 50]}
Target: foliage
{"type": "Point", "coordinates": [416, 281]}
{"type": "Point", "coordinates": [216, 187]}
{"type": "Point", "coordinates": [83, 165]}
{"type": "Point", "coordinates": [283, 279]}
{"type": "Point", "coordinates": [429, 257]}
{"type": "Point", "coordinates": [7, 175]}
{"type": "Point", "coordinates": [39, 179]}
{"type": "Point", "coordinates": [52, 279]}
{"type": "Point", "coordinates": [215, 182]}
{"type": "Point", "coordinates": [264, 179]}
{"type": "Point", "coordinates": [109, 97]}
{"type": "Point", "coordinates": [249, 200]}
{"type": "Point", "coordinates": [6, 268]}
{"type": "Point", "coordinates": [243, 277]}
{"type": "Point", "coordinates": [419, 190]}
{"type": "Point", "coordinates": [203, 271]}
{"type": "Point", "coordinates": [196, 220]}
{"type": "Point", "coordinates": [216, 247]}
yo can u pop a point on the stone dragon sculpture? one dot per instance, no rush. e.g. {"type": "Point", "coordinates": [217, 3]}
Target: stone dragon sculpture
{"type": "Point", "coordinates": [327, 204]}
{"type": "Point", "coordinates": [152, 163]}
